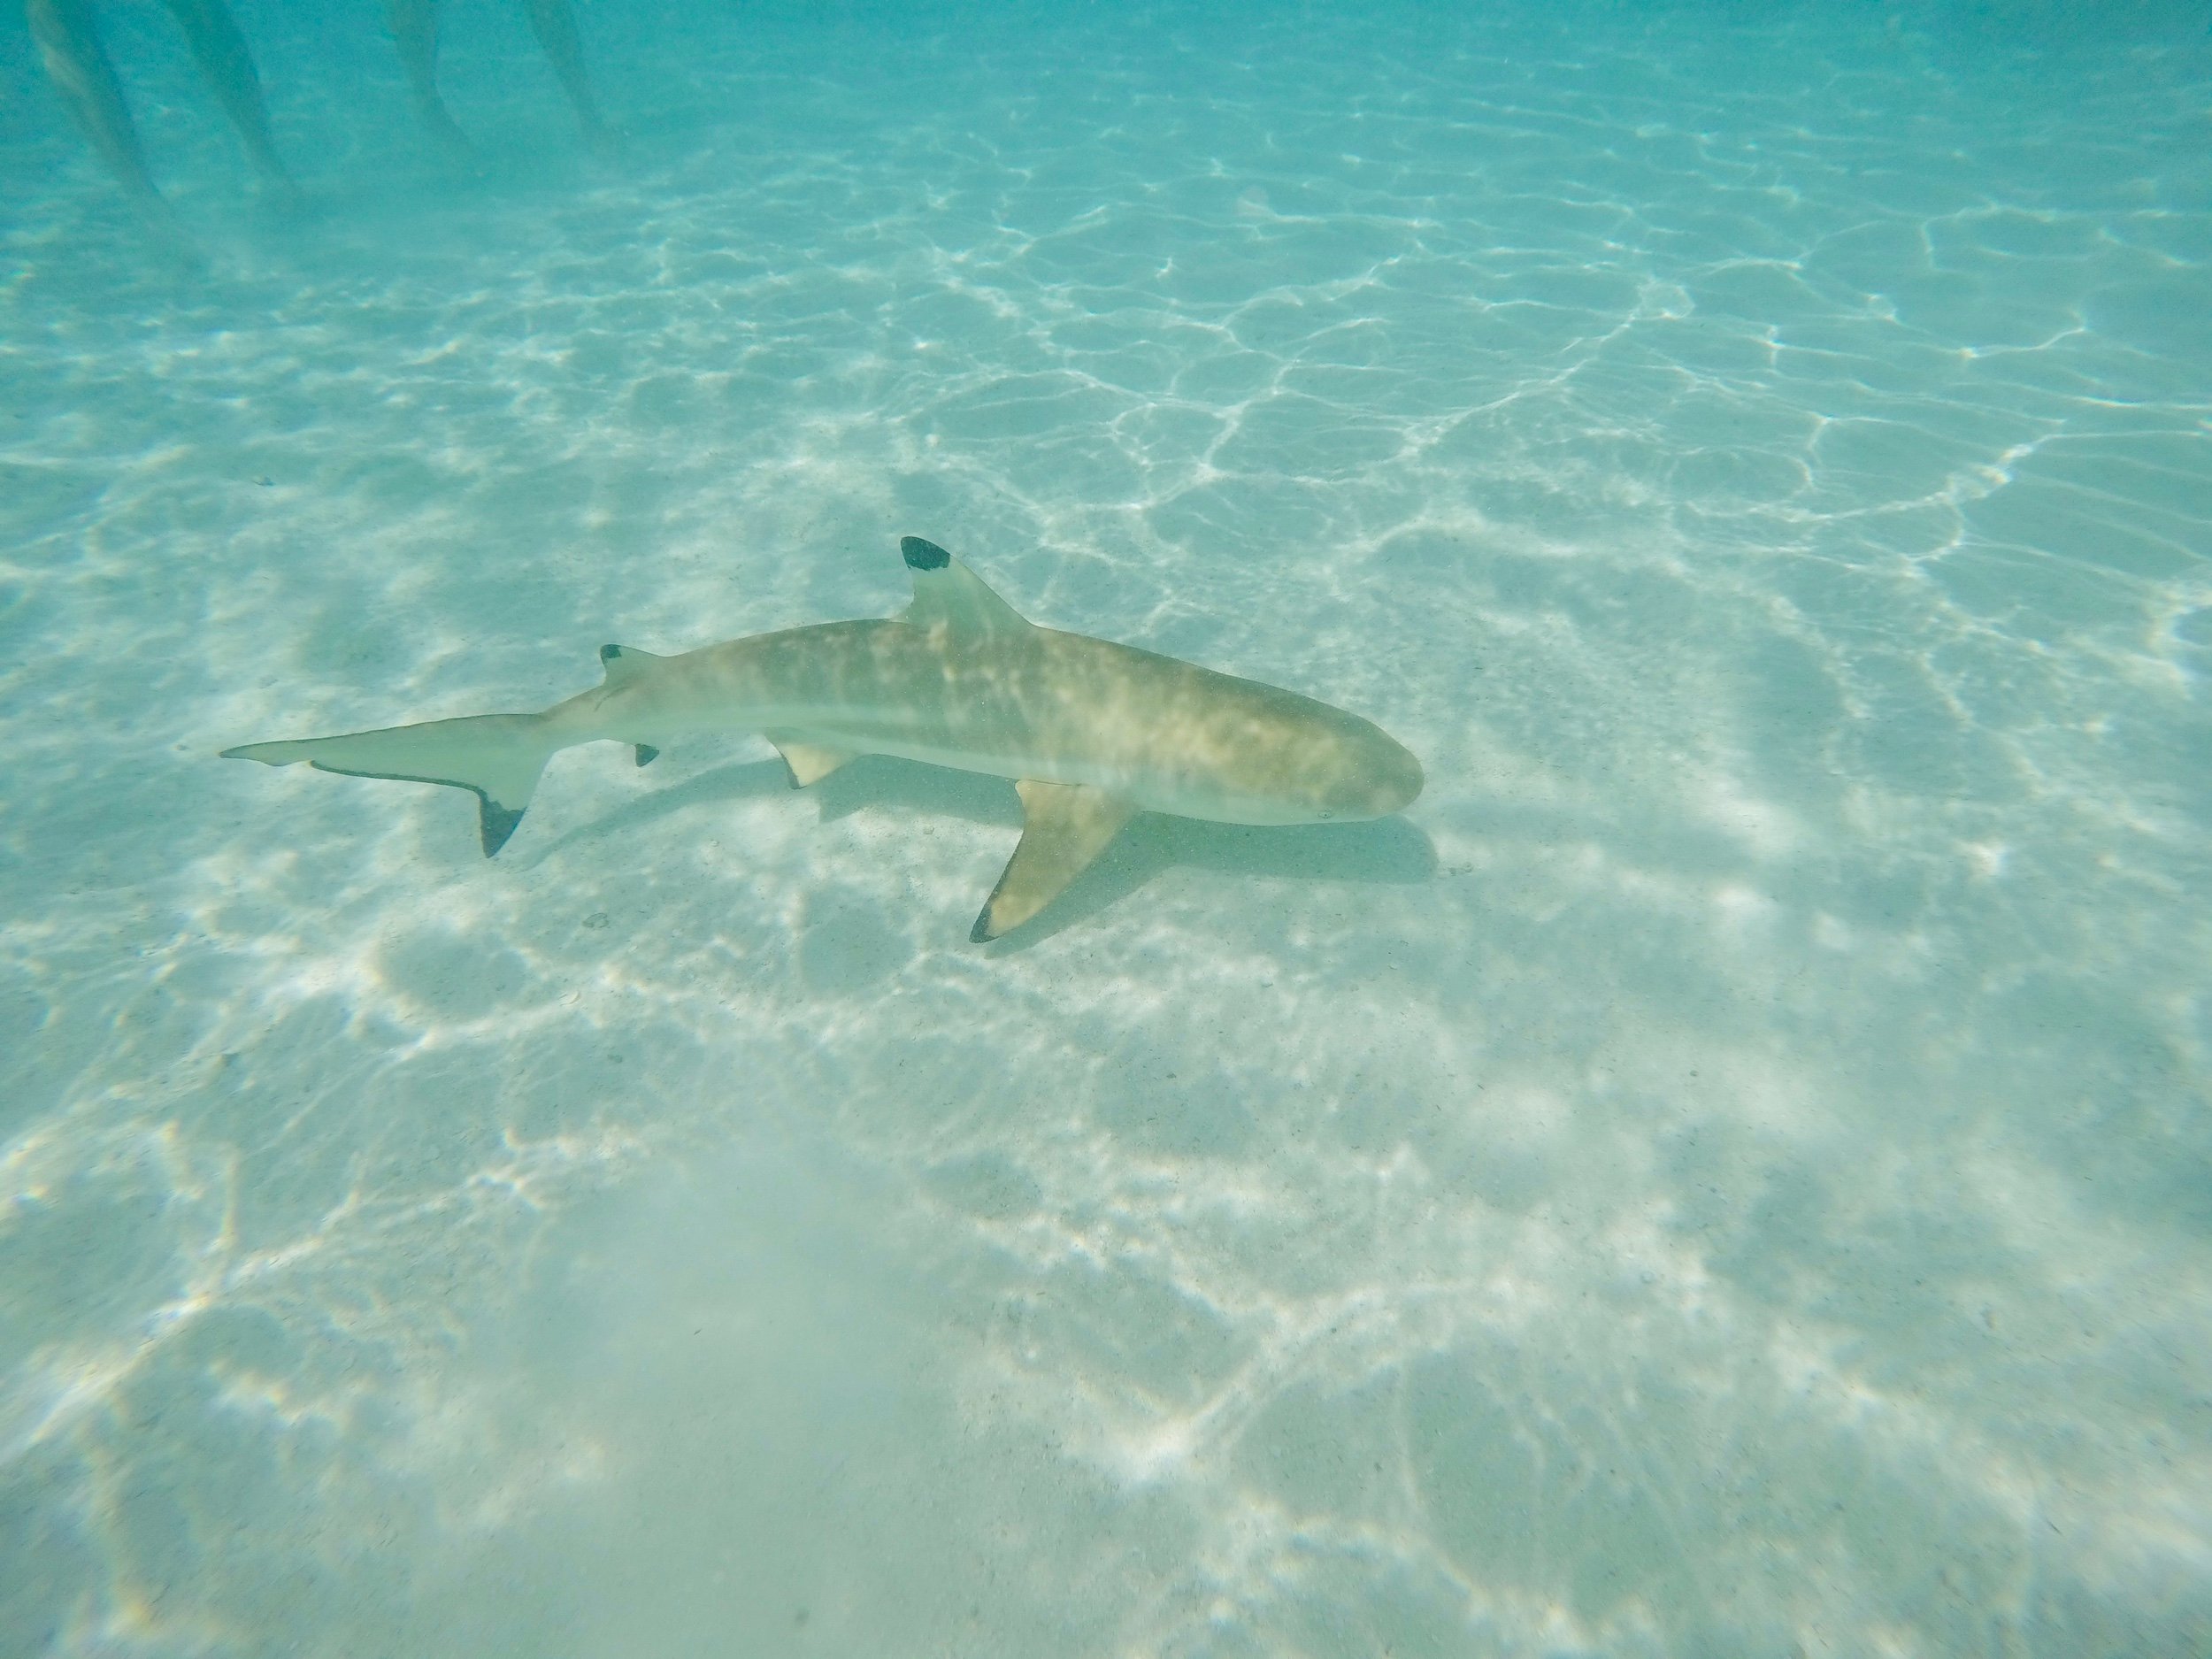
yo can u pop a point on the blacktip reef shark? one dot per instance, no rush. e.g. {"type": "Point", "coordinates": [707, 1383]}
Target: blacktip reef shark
{"type": "Point", "coordinates": [1091, 733]}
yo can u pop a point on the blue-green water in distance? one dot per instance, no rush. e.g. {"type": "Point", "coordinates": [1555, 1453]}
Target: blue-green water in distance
{"type": "Point", "coordinates": [1727, 1173]}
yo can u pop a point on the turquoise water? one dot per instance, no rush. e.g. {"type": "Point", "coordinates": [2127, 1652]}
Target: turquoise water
{"type": "Point", "coordinates": [1727, 1172]}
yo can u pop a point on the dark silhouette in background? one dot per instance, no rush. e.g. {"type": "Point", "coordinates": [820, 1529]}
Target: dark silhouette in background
{"type": "Point", "coordinates": [415, 31]}
{"type": "Point", "coordinates": [68, 38]}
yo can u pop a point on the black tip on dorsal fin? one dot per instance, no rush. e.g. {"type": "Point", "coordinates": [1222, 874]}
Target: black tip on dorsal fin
{"type": "Point", "coordinates": [623, 664]}
{"type": "Point", "coordinates": [647, 753]}
{"type": "Point", "coordinates": [923, 556]}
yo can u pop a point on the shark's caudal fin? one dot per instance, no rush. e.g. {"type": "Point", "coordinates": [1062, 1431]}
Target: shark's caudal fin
{"type": "Point", "coordinates": [498, 757]}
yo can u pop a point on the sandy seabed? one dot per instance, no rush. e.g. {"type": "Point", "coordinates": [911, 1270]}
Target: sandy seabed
{"type": "Point", "coordinates": [1728, 1173]}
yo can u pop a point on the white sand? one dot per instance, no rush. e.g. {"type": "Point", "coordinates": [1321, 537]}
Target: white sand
{"type": "Point", "coordinates": [1730, 1173]}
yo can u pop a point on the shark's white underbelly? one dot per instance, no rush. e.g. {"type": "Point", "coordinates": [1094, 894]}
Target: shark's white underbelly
{"type": "Point", "coordinates": [1141, 787]}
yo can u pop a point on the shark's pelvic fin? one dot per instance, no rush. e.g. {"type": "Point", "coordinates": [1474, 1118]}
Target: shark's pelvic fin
{"type": "Point", "coordinates": [947, 594]}
{"type": "Point", "coordinates": [1065, 827]}
{"type": "Point", "coordinates": [499, 757]}
{"type": "Point", "coordinates": [808, 763]}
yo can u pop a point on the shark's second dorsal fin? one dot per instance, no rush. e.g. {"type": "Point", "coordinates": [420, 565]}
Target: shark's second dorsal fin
{"type": "Point", "coordinates": [947, 594]}
{"type": "Point", "coordinates": [622, 664]}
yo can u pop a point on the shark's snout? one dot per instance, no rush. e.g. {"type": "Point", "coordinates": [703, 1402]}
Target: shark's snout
{"type": "Point", "coordinates": [1388, 780]}
{"type": "Point", "coordinates": [1399, 781]}
{"type": "Point", "coordinates": [1373, 775]}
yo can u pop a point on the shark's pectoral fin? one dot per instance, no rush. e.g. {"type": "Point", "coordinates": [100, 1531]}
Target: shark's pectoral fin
{"type": "Point", "coordinates": [1065, 827]}
{"type": "Point", "coordinates": [808, 763]}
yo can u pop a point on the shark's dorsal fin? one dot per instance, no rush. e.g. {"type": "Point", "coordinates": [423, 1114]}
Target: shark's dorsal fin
{"type": "Point", "coordinates": [948, 594]}
{"type": "Point", "coordinates": [1065, 826]}
{"type": "Point", "coordinates": [622, 664]}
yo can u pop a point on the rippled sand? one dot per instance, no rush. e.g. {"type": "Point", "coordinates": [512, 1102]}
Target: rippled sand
{"type": "Point", "coordinates": [1728, 1173]}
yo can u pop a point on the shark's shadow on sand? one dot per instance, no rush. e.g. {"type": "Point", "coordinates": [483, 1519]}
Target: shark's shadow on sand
{"type": "Point", "coordinates": [1388, 851]}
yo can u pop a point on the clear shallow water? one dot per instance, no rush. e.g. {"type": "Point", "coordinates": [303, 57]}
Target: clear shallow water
{"type": "Point", "coordinates": [1728, 1173]}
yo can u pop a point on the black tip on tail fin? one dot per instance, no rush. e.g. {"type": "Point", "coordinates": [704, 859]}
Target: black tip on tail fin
{"type": "Point", "coordinates": [496, 758]}
{"type": "Point", "coordinates": [495, 823]}
{"type": "Point", "coordinates": [923, 556]}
